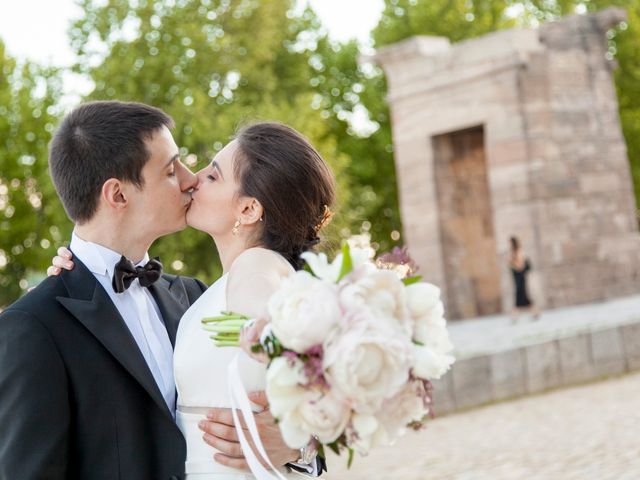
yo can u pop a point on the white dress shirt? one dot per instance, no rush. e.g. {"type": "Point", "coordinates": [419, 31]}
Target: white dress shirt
{"type": "Point", "coordinates": [139, 311]}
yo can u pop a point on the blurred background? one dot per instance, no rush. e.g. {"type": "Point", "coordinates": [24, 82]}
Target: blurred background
{"type": "Point", "coordinates": [507, 120]}
{"type": "Point", "coordinates": [214, 65]}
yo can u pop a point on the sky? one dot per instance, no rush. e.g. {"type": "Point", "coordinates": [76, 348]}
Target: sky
{"type": "Point", "coordinates": [36, 29]}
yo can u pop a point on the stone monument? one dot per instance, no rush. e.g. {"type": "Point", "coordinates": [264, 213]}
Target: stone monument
{"type": "Point", "coordinates": [514, 133]}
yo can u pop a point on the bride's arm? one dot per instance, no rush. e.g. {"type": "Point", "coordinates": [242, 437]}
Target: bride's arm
{"type": "Point", "coordinates": [253, 278]}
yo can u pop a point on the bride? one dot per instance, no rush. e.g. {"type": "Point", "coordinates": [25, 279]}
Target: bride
{"type": "Point", "coordinates": [263, 200]}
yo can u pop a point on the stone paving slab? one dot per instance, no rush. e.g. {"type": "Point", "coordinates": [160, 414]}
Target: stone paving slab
{"type": "Point", "coordinates": [589, 432]}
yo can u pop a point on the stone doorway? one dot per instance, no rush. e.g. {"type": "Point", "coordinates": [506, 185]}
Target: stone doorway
{"type": "Point", "coordinates": [472, 275]}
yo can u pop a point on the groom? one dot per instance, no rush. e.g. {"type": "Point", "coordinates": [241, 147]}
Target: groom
{"type": "Point", "coordinates": [86, 377]}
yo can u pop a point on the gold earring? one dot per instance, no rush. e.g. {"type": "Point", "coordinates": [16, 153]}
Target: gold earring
{"type": "Point", "coordinates": [235, 228]}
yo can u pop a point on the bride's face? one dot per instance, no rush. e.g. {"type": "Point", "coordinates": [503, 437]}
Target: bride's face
{"type": "Point", "coordinates": [215, 200]}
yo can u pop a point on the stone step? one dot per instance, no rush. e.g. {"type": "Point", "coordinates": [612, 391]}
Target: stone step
{"type": "Point", "coordinates": [498, 360]}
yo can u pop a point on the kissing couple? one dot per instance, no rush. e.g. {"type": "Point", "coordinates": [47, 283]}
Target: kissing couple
{"type": "Point", "coordinates": [106, 372]}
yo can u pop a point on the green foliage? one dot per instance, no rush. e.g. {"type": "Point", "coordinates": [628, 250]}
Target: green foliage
{"type": "Point", "coordinates": [343, 87]}
{"type": "Point", "coordinates": [32, 222]}
{"type": "Point", "coordinates": [213, 67]}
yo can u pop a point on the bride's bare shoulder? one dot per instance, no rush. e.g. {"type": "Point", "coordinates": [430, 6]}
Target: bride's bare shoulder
{"type": "Point", "coordinates": [258, 259]}
{"type": "Point", "coordinates": [253, 277]}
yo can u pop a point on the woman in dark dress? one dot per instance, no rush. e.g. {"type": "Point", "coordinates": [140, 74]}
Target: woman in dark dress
{"type": "Point", "coordinates": [520, 267]}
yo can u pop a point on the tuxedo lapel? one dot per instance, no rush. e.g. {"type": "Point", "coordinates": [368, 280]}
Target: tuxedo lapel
{"type": "Point", "coordinates": [91, 306]}
{"type": "Point", "coordinates": [172, 301]}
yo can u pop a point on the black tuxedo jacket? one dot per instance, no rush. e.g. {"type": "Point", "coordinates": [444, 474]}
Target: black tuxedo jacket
{"type": "Point", "coordinates": [77, 400]}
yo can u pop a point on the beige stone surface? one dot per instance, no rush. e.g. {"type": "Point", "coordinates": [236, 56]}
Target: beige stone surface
{"type": "Point", "coordinates": [551, 167]}
{"type": "Point", "coordinates": [588, 432]}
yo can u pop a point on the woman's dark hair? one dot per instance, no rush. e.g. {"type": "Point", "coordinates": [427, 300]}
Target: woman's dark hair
{"type": "Point", "coordinates": [515, 244]}
{"type": "Point", "coordinates": [98, 141]}
{"type": "Point", "coordinates": [280, 168]}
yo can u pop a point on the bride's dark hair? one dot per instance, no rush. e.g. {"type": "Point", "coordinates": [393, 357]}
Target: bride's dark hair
{"type": "Point", "coordinates": [280, 168]}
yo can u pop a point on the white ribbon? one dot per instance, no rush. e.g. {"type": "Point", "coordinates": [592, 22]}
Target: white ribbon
{"type": "Point", "coordinates": [240, 401]}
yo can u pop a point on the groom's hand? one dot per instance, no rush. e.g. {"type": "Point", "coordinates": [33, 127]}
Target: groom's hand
{"type": "Point", "coordinates": [220, 433]}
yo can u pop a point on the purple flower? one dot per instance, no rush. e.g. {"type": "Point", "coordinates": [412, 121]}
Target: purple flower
{"type": "Point", "coordinates": [399, 261]}
{"type": "Point", "coordinates": [312, 360]}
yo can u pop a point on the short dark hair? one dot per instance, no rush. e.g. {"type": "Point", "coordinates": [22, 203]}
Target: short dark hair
{"type": "Point", "coordinates": [280, 168]}
{"type": "Point", "coordinates": [98, 141]}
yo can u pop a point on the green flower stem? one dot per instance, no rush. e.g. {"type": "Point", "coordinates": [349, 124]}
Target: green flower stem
{"type": "Point", "coordinates": [223, 328]}
{"type": "Point", "coordinates": [226, 334]}
{"type": "Point", "coordinates": [225, 316]}
{"type": "Point", "coordinates": [224, 343]}
{"type": "Point", "coordinates": [216, 320]}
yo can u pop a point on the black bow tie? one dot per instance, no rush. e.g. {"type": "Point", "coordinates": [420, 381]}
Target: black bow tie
{"type": "Point", "coordinates": [126, 272]}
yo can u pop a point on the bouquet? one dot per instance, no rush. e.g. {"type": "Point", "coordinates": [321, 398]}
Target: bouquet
{"type": "Point", "coordinates": [351, 346]}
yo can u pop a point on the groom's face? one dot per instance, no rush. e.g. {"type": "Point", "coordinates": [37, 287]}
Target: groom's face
{"type": "Point", "coordinates": [160, 206]}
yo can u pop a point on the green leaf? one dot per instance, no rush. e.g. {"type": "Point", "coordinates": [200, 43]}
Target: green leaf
{"type": "Point", "coordinates": [335, 448]}
{"type": "Point", "coordinates": [321, 453]}
{"type": "Point", "coordinates": [411, 280]}
{"type": "Point", "coordinates": [347, 261]}
{"type": "Point", "coordinates": [350, 459]}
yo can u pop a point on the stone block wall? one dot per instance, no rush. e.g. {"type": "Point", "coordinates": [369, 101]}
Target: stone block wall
{"type": "Point", "coordinates": [536, 368]}
{"type": "Point", "coordinates": [557, 171]}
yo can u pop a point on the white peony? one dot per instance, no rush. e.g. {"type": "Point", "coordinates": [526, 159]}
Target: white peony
{"type": "Point", "coordinates": [378, 290]}
{"type": "Point", "coordinates": [366, 432]}
{"type": "Point", "coordinates": [432, 357]}
{"type": "Point", "coordinates": [322, 415]}
{"type": "Point", "coordinates": [367, 362]}
{"type": "Point", "coordinates": [284, 381]}
{"type": "Point", "coordinates": [303, 311]}
{"type": "Point", "coordinates": [405, 407]}
{"type": "Point", "coordinates": [330, 271]}
{"type": "Point", "coordinates": [422, 299]}
{"type": "Point", "coordinates": [433, 318]}
{"type": "Point", "coordinates": [430, 363]}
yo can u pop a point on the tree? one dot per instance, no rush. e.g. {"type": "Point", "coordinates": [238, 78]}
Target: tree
{"type": "Point", "coordinates": [212, 66]}
{"type": "Point", "coordinates": [32, 222]}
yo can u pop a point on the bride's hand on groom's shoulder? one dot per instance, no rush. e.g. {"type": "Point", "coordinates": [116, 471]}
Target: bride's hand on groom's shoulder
{"type": "Point", "coordinates": [220, 433]}
{"type": "Point", "coordinates": [250, 336]}
{"type": "Point", "coordinates": [61, 261]}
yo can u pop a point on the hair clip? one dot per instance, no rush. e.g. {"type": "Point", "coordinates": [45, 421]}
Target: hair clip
{"type": "Point", "coordinates": [326, 218]}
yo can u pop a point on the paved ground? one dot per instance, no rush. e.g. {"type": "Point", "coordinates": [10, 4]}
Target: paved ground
{"type": "Point", "coordinates": [590, 432]}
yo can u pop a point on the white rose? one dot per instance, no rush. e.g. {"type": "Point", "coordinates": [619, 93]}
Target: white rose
{"type": "Point", "coordinates": [378, 290]}
{"type": "Point", "coordinates": [367, 362]}
{"type": "Point", "coordinates": [429, 363]}
{"type": "Point", "coordinates": [303, 311]}
{"type": "Point", "coordinates": [322, 415]}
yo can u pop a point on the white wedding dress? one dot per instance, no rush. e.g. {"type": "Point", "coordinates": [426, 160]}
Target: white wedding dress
{"type": "Point", "coordinates": [200, 370]}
